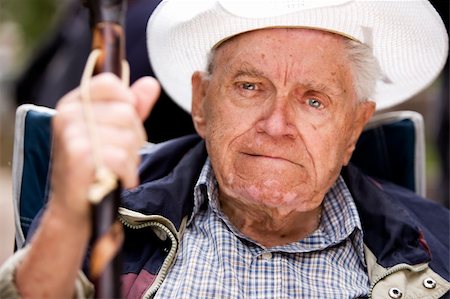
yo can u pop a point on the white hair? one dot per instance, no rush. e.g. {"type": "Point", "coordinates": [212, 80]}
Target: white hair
{"type": "Point", "coordinates": [364, 67]}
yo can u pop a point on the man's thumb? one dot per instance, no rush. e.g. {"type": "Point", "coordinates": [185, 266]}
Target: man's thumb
{"type": "Point", "coordinates": [146, 91]}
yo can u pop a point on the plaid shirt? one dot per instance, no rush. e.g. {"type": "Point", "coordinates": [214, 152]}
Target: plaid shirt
{"type": "Point", "coordinates": [217, 261]}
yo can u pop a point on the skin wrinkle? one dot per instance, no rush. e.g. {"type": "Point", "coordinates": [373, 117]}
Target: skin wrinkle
{"type": "Point", "coordinates": [274, 155]}
{"type": "Point", "coordinates": [286, 74]}
{"type": "Point", "coordinates": [364, 67]}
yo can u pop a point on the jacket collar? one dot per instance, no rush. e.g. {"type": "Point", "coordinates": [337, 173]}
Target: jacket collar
{"type": "Point", "coordinates": [389, 230]}
{"type": "Point", "coordinates": [168, 173]}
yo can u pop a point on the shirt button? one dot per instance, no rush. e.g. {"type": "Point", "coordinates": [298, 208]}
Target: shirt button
{"type": "Point", "coordinates": [266, 256]}
{"type": "Point", "coordinates": [429, 283]}
{"type": "Point", "coordinates": [395, 293]}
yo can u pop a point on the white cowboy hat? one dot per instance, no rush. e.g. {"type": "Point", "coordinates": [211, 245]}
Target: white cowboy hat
{"type": "Point", "coordinates": [408, 37]}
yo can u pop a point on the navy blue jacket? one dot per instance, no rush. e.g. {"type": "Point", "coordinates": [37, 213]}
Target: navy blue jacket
{"type": "Point", "coordinates": [404, 234]}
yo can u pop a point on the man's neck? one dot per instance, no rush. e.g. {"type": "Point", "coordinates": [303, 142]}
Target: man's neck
{"type": "Point", "coordinates": [270, 227]}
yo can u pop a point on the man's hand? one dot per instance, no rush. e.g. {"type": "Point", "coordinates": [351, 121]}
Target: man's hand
{"type": "Point", "coordinates": [57, 250]}
{"type": "Point", "coordinates": [119, 112]}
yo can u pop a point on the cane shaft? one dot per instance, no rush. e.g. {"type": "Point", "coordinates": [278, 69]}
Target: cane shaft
{"type": "Point", "coordinates": [107, 19]}
{"type": "Point", "coordinates": [107, 279]}
{"type": "Point", "coordinates": [108, 37]}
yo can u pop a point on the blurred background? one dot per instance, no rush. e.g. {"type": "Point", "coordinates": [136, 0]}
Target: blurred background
{"type": "Point", "coordinates": [43, 48]}
{"type": "Point", "coordinates": [23, 26]}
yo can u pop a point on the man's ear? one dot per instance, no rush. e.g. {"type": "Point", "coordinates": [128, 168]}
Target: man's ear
{"type": "Point", "coordinates": [199, 86]}
{"type": "Point", "coordinates": [364, 112]}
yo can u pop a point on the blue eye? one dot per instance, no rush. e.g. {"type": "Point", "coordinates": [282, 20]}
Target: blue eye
{"type": "Point", "coordinates": [248, 86]}
{"type": "Point", "coordinates": [314, 103]}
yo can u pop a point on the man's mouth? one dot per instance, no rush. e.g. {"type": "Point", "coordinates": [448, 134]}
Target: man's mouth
{"type": "Point", "coordinates": [275, 158]}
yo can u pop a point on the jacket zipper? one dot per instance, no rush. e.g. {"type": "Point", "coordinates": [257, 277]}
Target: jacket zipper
{"type": "Point", "coordinates": [391, 271]}
{"type": "Point", "coordinates": [150, 292]}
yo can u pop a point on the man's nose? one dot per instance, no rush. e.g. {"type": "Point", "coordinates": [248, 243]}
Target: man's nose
{"type": "Point", "coordinates": [277, 119]}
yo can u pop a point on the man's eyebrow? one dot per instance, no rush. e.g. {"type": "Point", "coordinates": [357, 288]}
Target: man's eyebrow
{"type": "Point", "coordinates": [245, 70]}
{"type": "Point", "coordinates": [327, 87]}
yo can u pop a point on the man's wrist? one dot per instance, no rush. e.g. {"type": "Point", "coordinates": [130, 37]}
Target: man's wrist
{"type": "Point", "coordinates": [59, 217]}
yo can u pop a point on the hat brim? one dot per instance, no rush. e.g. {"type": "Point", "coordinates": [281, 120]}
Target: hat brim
{"type": "Point", "coordinates": [407, 37]}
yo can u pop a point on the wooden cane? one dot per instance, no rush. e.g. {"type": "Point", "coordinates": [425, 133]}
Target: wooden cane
{"type": "Point", "coordinates": [108, 44]}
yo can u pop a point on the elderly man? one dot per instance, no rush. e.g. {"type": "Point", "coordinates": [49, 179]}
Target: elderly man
{"type": "Point", "coordinates": [261, 206]}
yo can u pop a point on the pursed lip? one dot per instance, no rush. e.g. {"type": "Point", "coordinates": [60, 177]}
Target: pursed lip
{"type": "Point", "coordinates": [268, 156]}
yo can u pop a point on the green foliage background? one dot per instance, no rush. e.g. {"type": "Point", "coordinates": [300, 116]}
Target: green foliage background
{"type": "Point", "coordinates": [33, 17]}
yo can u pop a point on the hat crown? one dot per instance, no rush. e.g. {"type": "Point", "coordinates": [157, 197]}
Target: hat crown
{"type": "Point", "coordinates": [272, 8]}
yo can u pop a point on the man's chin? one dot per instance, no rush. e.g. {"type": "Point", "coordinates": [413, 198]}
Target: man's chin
{"type": "Point", "coordinates": [271, 197]}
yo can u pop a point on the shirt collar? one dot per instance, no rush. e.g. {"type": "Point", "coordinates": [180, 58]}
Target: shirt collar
{"type": "Point", "coordinates": [339, 214]}
{"type": "Point", "coordinates": [205, 188]}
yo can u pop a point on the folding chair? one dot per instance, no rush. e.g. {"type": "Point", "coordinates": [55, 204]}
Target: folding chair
{"type": "Point", "coordinates": [30, 169]}
{"type": "Point", "coordinates": [390, 148]}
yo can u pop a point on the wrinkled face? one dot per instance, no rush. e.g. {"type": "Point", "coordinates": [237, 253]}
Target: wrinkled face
{"type": "Point", "coordinates": [279, 116]}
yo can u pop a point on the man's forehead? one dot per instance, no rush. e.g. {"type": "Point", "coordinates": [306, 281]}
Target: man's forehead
{"type": "Point", "coordinates": [299, 32]}
{"type": "Point", "coordinates": [295, 48]}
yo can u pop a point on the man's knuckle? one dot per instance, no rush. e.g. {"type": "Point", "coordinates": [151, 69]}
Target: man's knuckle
{"type": "Point", "coordinates": [106, 79]}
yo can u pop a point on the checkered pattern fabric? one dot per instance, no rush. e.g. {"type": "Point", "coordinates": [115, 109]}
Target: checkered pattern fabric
{"type": "Point", "coordinates": [217, 261]}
